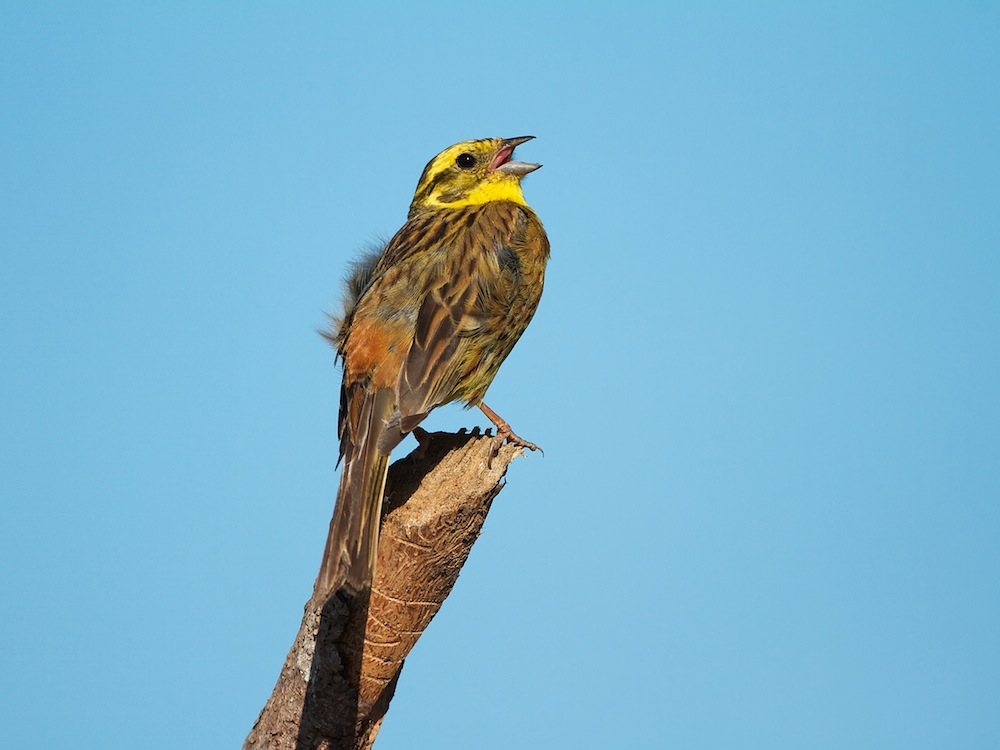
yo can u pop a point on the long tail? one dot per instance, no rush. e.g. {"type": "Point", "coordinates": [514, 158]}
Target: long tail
{"type": "Point", "coordinates": [352, 545]}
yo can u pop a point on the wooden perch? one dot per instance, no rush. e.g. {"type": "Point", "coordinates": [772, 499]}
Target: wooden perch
{"type": "Point", "coordinates": [341, 672]}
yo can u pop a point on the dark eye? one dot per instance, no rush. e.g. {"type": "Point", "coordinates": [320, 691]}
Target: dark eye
{"type": "Point", "coordinates": [466, 161]}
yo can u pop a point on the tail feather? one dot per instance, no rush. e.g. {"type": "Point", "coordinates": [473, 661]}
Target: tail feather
{"type": "Point", "coordinates": [352, 544]}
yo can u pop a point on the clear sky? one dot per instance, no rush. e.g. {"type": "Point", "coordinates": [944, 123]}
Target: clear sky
{"type": "Point", "coordinates": [765, 370]}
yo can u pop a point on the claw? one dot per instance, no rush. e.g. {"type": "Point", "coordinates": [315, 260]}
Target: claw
{"type": "Point", "coordinates": [504, 434]}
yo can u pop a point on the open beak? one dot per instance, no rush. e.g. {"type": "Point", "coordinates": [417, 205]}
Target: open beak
{"type": "Point", "coordinates": [502, 162]}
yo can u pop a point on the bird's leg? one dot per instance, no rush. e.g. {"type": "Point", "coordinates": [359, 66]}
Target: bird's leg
{"type": "Point", "coordinates": [505, 433]}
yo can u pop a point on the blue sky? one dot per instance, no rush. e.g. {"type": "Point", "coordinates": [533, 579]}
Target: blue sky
{"type": "Point", "coordinates": [764, 371]}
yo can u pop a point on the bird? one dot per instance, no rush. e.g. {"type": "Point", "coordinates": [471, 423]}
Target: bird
{"type": "Point", "coordinates": [428, 319]}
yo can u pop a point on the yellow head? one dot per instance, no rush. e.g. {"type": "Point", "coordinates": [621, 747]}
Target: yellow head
{"type": "Point", "coordinates": [470, 173]}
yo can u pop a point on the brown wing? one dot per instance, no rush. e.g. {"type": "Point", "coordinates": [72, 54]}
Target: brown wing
{"type": "Point", "coordinates": [470, 312]}
{"type": "Point", "coordinates": [424, 233]}
{"type": "Point", "coordinates": [463, 280]}
{"type": "Point", "coordinates": [429, 371]}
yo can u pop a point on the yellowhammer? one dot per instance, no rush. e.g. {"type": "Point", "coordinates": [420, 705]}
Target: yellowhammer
{"type": "Point", "coordinates": [428, 322]}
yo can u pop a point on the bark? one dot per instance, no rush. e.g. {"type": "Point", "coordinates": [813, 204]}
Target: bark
{"type": "Point", "coordinates": [341, 672]}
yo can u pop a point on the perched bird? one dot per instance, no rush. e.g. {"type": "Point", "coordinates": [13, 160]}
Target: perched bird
{"type": "Point", "coordinates": [428, 321]}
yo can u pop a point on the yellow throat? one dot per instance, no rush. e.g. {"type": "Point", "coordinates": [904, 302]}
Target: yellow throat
{"type": "Point", "coordinates": [472, 173]}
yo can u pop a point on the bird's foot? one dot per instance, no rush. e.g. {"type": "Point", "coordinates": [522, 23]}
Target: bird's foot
{"type": "Point", "coordinates": [505, 434]}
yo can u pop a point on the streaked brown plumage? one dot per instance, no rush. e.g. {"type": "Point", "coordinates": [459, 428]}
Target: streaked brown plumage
{"type": "Point", "coordinates": [428, 322]}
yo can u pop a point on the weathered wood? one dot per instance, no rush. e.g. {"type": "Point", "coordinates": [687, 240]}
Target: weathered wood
{"type": "Point", "coordinates": [341, 672]}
